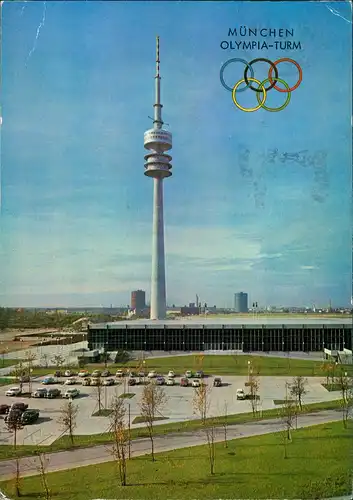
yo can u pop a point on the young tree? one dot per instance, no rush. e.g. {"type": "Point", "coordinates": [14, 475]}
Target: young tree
{"type": "Point", "coordinates": [254, 387]}
{"type": "Point", "coordinates": [30, 357]}
{"type": "Point", "coordinates": [58, 361]}
{"type": "Point", "coordinates": [225, 423]}
{"type": "Point", "coordinates": [298, 389]}
{"type": "Point", "coordinates": [45, 359]}
{"type": "Point", "coordinates": [67, 419]}
{"type": "Point", "coordinates": [98, 389]}
{"type": "Point", "coordinates": [18, 373]}
{"type": "Point", "coordinates": [153, 399]}
{"type": "Point", "coordinates": [287, 414]}
{"type": "Point", "coordinates": [42, 469]}
{"type": "Point", "coordinates": [201, 404]}
{"type": "Point", "coordinates": [13, 424]}
{"type": "Point", "coordinates": [345, 386]}
{"type": "Point", "coordinates": [121, 436]}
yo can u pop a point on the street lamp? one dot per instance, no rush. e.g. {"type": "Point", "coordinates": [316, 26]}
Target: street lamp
{"type": "Point", "coordinates": [249, 365]}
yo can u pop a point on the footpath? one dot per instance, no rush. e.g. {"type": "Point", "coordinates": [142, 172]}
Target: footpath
{"type": "Point", "coordinates": [78, 457]}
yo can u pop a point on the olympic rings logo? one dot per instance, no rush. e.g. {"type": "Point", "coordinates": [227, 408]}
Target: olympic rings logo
{"type": "Point", "coordinates": [261, 90]}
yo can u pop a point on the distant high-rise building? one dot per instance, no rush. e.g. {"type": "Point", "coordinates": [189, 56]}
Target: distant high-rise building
{"type": "Point", "coordinates": [138, 300]}
{"type": "Point", "coordinates": [241, 302]}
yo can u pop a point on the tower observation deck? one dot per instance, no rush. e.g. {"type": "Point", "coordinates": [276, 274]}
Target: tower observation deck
{"type": "Point", "coordinates": [158, 166]}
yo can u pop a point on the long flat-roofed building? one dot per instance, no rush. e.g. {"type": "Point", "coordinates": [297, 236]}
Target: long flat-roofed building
{"type": "Point", "coordinates": [263, 333]}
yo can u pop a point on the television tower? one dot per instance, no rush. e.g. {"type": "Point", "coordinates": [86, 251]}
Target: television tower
{"type": "Point", "coordinates": [158, 167]}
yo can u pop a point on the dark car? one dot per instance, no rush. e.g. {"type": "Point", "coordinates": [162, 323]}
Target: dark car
{"type": "Point", "coordinates": [199, 374]}
{"type": "Point", "coordinates": [217, 382]}
{"type": "Point", "coordinates": [29, 416]}
{"type": "Point", "coordinates": [105, 373]}
{"type": "Point", "coordinates": [53, 393]}
{"type": "Point", "coordinates": [132, 381]}
{"type": "Point", "coordinates": [24, 379]}
{"type": "Point", "coordinates": [4, 409]}
{"type": "Point", "coordinates": [13, 416]}
{"type": "Point", "coordinates": [18, 406]}
{"type": "Point", "coordinates": [58, 374]}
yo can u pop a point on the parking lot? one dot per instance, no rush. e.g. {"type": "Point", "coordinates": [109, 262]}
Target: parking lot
{"type": "Point", "coordinates": [179, 406]}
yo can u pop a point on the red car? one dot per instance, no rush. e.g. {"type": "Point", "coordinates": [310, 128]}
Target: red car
{"type": "Point", "coordinates": [184, 382]}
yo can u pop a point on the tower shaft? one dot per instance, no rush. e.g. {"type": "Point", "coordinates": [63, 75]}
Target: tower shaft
{"type": "Point", "coordinates": [158, 288]}
{"type": "Point", "coordinates": [158, 166]}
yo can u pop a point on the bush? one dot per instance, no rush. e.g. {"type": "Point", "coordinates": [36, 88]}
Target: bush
{"type": "Point", "coordinates": [122, 357]}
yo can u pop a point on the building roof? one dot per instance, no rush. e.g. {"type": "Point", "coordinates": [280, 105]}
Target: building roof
{"type": "Point", "coordinates": [248, 320]}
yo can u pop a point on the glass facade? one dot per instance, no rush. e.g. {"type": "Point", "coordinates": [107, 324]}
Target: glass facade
{"type": "Point", "coordinates": [247, 338]}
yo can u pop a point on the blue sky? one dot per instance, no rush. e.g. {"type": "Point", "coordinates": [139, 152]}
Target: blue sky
{"type": "Point", "coordinates": [76, 208]}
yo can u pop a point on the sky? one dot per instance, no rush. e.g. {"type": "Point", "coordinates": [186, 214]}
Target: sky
{"type": "Point", "coordinates": [76, 208]}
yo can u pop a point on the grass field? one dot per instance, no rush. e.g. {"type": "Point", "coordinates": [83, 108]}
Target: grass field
{"type": "Point", "coordinates": [4, 363]}
{"type": "Point", "coordinates": [222, 365]}
{"type": "Point", "coordinates": [6, 381]}
{"type": "Point", "coordinates": [82, 441]}
{"type": "Point", "coordinates": [318, 466]}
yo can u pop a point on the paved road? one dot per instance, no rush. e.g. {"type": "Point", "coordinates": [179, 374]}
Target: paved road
{"type": "Point", "coordinates": [98, 454]}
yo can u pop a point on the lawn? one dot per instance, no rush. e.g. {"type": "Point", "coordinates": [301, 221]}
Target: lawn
{"type": "Point", "coordinates": [4, 363]}
{"type": "Point", "coordinates": [219, 365]}
{"type": "Point", "coordinates": [6, 381]}
{"type": "Point", "coordinates": [318, 466]}
{"type": "Point", "coordinates": [82, 441]}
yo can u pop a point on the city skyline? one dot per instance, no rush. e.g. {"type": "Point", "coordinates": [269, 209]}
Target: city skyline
{"type": "Point", "coordinates": [76, 212]}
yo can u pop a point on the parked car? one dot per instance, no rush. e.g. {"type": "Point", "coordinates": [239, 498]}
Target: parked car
{"type": "Point", "coordinates": [152, 374]}
{"type": "Point", "coordinates": [170, 381]}
{"type": "Point", "coordinates": [160, 381]}
{"type": "Point", "coordinates": [71, 393]}
{"type": "Point", "coordinates": [132, 381]}
{"type": "Point", "coordinates": [14, 391]}
{"type": "Point", "coordinates": [132, 374]}
{"type": "Point", "coordinates": [4, 409]}
{"type": "Point", "coordinates": [24, 379]}
{"type": "Point", "coordinates": [96, 373]}
{"type": "Point", "coordinates": [18, 406]}
{"type": "Point", "coordinates": [95, 381]}
{"type": "Point", "coordinates": [108, 381]}
{"type": "Point", "coordinates": [49, 380]}
{"type": "Point", "coordinates": [119, 373]}
{"type": "Point", "coordinates": [13, 416]}
{"type": "Point", "coordinates": [86, 381]}
{"type": "Point", "coordinates": [68, 373]}
{"type": "Point", "coordinates": [83, 373]}
{"type": "Point", "coordinates": [53, 393]}
{"type": "Point", "coordinates": [199, 374]}
{"type": "Point", "coordinates": [217, 382]}
{"type": "Point", "coordinates": [105, 373]}
{"type": "Point", "coordinates": [29, 417]}
{"type": "Point", "coordinates": [241, 394]}
{"type": "Point", "coordinates": [171, 374]}
{"type": "Point", "coordinates": [40, 393]}
{"type": "Point", "coordinates": [141, 374]}
{"type": "Point", "coordinates": [188, 374]}
{"type": "Point", "coordinates": [195, 383]}
{"type": "Point", "coordinates": [58, 374]}
{"type": "Point", "coordinates": [71, 381]}
{"type": "Point", "coordinates": [184, 382]}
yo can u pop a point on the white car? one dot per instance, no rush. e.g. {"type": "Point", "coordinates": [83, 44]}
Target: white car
{"type": "Point", "coordinates": [195, 383]}
{"type": "Point", "coordinates": [14, 391]}
{"type": "Point", "coordinates": [68, 373]}
{"type": "Point", "coordinates": [170, 381]}
{"type": "Point", "coordinates": [188, 374]}
{"type": "Point", "coordinates": [71, 393]}
{"type": "Point", "coordinates": [108, 381]}
{"type": "Point", "coordinates": [171, 374]}
{"type": "Point", "coordinates": [71, 381]}
{"type": "Point", "coordinates": [95, 381]}
{"type": "Point", "coordinates": [119, 373]}
{"type": "Point", "coordinates": [240, 394]}
{"type": "Point", "coordinates": [152, 374]}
